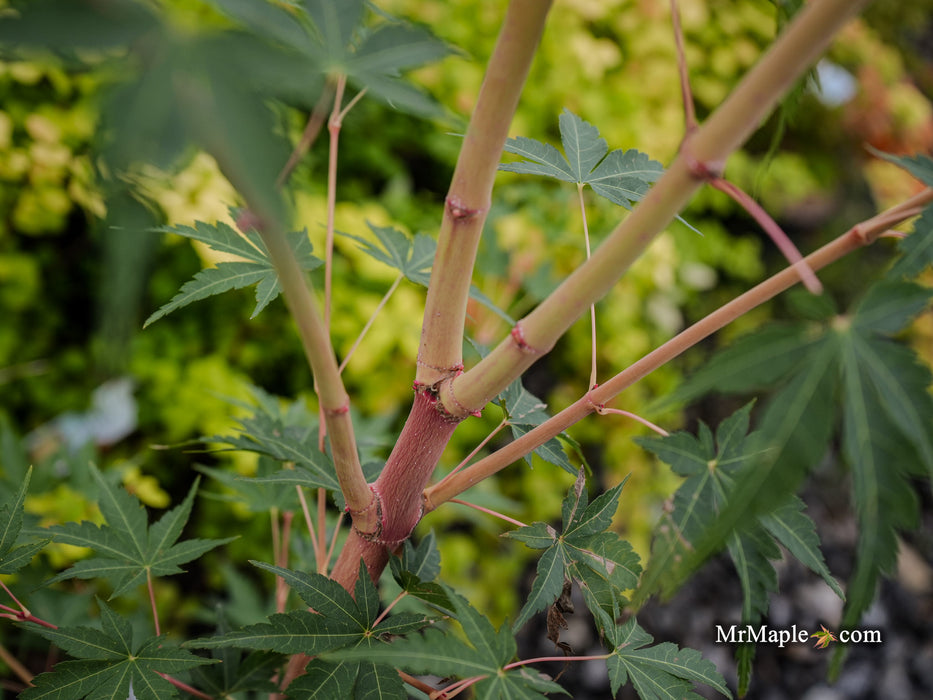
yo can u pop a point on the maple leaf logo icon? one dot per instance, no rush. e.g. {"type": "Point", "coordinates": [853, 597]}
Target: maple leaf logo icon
{"type": "Point", "coordinates": [824, 637]}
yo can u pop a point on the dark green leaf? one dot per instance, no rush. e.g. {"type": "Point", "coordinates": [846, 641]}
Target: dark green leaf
{"type": "Point", "coordinates": [889, 306]}
{"type": "Point", "coordinates": [480, 652]}
{"type": "Point", "coordinates": [920, 166]}
{"type": "Point", "coordinates": [271, 20]}
{"type": "Point", "coordinates": [603, 563]}
{"type": "Point", "coordinates": [289, 439]}
{"type": "Point", "coordinates": [660, 671]}
{"type": "Point", "coordinates": [12, 557]}
{"type": "Point", "coordinates": [916, 249]}
{"type": "Point", "coordinates": [126, 548]}
{"type": "Point", "coordinates": [324, 680]}
{"type": "Point", "coordinates": [790, 526]}
{"type": "Point", "coordinates": [77, 24]}
{"type": "Point", "coordinates": [335, 21]}
{"type": "Point", "coordinates": [110, 663]}
{"type": "Point", "coordinates": [393, 48]}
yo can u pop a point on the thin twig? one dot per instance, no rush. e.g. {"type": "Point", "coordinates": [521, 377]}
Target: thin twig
{"type": "Point", "coordinates": [586, 240]}
{"type": "Point", "coordinates": [504, 422]}
{"type": "Point", "coordinates": [603, 411]}
{"type": "Point", "coordinates": [322, 529]}
{"type": "Point", "coordinates": [152, 602]}
{"type": "Point", "coordinates": [489, 511]}
{"type": "Point", "coordinates": [312, 129]}
{"type": "Point", "coordinates": [309, 522]}
{"type": "Point", "coordinates": [690, 118]}
{"type": "Point", "coordinates": [21, 671]}
{"type": "Point", "coordinates": [369, 322]}
{"type": "Point", "coordinates": [333, 542]}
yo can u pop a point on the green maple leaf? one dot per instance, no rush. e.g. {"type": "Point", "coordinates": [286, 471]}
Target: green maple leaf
{"type": "Point", "coordinates": [920, 166]}
{"type": "Point", "coordinates": [603, 564]}
{"type": "Point", "coordinates": [622, 177]}
{"type": "Point", "coordinates": [332, 37]}
{"type": "Point", "coordinates": [526, 411]}
{"type": "Point", "coordinates": [413, 259]}
{"type": "Point", "coordinates": [481, 652]}
{"type": "Point", "coordinates": [109, 663]}
{"type": "Point", "coordinates": [712, 467]}
{"type": "Point", "coordinates": [14, 557]}
{"type": "Point", "coordinates": [288, 436]}
{"type": "Point", "coordinates": [417, 568]}
{"type": "Point", "coordinates": [917, 248]}
{"type": "Point", "coordinates": [846, 372]}
{"type": "Point", "coordinates": [128, 551]}
{"type": "Point", "coordinates": [660, 672]}
{"type": "Point", "coordinates": [256, 268]}
{"type": "Point", "coordinates": [237, 672]}
{"type": "Point", "coordinates": [339, 621]}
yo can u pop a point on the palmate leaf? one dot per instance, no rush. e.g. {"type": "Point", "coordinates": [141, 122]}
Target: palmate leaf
{"type": "Point", "coordinates": [622, 177]}
{"type": "Point", "coordinates": [334, 38]}
{"type": "Point", "coordinates": [415, 572]}
{"type": "Point", "coordinates": [109, 663]}
{"type": "Point", "coordinates": [13, 557]}
{"type": "Point", "coordinates": [920, 166]}
{"type": "Point", "coordinates": [482, 652]}
{"type": "Point", "coordinates": [256, 494]}
{"type": "Point", "coordinates": [712, 469]}
{"type": "Point", "coordinates": [660, 672]}
{"type": "Point", "coordinates": [339, 621]}
{"type": "Point", "coordinates": [127, 550]}
{"type": "Point", "coordinates": [526, 411]}
{"type": "Point", "coordinates": [413, 258]}
{"type": "Point", "coordinates": [256, 268]}
{"type": "Point", "coordinates": [850, 373]}
{"type": "Point", "coordinates": [601, 562]}
{"type": "Point", "coordinates": [288, 434]}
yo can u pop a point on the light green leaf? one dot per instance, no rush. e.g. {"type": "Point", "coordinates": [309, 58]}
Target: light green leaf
{"type": "Point", "coordinates": [582, 144]}
{"type": "Point", "coordinates": [622, 177]}
{"type": "Point", "coordinates": [660, 672]}
{"type": "Point", "coordinates": [392, 48]}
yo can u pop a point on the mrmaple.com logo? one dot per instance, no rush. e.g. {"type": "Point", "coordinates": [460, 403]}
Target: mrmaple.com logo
{"type": "Point", "coordinates": [762, 634]}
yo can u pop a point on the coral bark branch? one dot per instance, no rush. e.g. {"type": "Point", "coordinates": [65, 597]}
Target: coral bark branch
{"type": "Point", "coordinates": [725, 130]}
{"type": "Point", "coordinates": [468, 198]}
{"type": "Point", "coordinates": [855, 238]}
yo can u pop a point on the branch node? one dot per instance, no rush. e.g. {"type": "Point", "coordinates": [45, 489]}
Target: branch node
{"type": "Point", "coordinates": [376, 504]}
{"type": "Point", "coordinates": [518, 335]}
{"type": "Point", "coordinates": [706, 171]}
{"type": "Point", "coordinates": [453, 369]}
{"type": "Point", "coordinates": [459, 211]}
{"type": "Point", "coordinates": [463, 409]}
{"type": "Point", "coordinates": [597, 407]}
{"type": "Point", "coordinates": [339, 411]}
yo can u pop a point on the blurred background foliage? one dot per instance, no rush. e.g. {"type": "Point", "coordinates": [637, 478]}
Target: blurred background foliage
{"type": "Point", "coordinates": [73, 292]}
